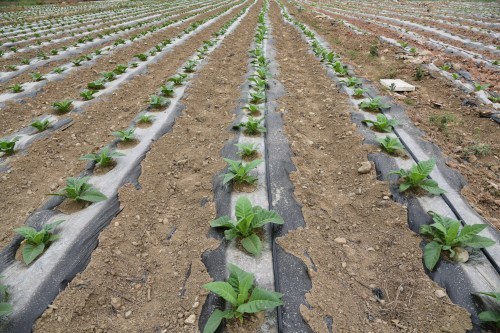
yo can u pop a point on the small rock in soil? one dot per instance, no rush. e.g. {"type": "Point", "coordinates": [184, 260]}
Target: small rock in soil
{"type": "Point", "coordinates": [190, 320]}
{"type": "Point", "coordinates": [440, 293]}
{"type": "Point", "coordinates": [365, 168]}
{"type": "Point", "coordinates": [340, 240]}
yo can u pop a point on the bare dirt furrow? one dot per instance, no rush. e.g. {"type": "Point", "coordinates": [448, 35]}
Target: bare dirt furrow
{"type": "Point", "coordinates": [148, 266]}
{"type": "Point", "coordinates": [59, 90]}
{"type": "Point", "coordinates": [368, 274]}
{"type": "Point", "coordinates": [57, 157]}
{"type": "Point", "coordinates": [456, 138]}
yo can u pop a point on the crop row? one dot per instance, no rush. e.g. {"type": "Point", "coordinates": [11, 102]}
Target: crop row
{"type": "Point", "coordinates": [451, 228]}
{"type": "Point", "coordinates": [117, 162]}
{"type": "Point", "coordinates": [110, 81]}
{"type": "Point", "coordinates": [111, 35]}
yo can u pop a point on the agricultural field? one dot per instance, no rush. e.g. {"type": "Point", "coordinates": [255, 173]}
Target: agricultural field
{"type": "Point", "coordinates": [250, 166]}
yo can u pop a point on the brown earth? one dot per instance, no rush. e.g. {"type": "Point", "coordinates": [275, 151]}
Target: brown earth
{"type": "Point", "coordinates": [357, 240]}
{"type": "Point", "coordinates": [467, 129]}
{"type": "Point", "coordinates": [47, 163]}
{"type": "Point", "coordinates": [137, 267]}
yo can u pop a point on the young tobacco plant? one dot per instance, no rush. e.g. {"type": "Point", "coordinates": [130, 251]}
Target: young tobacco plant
{"type": "Point", "coordinates": [87, 94]}
{"type": "Point", "coordinates": [35, 241]}
{"type": "Point", "coordinates": [246, 149]}
{"type": "Point", "coordinates": [416, 178]}
{"type": "Point", "coordinates": [358, 92]}
{"type": "Point", "coordinates": [125, 135]}
{"type": "Point", "coordinates": [239, 172]}
{"type": "Point", "coordinates": [491, 316]}
{"type": "Point", "coordinates": [382, 124]}
{"type": "Point", "coordinates": [16, 88]}
{"type": "Point", "coordinates": [252, 109]}
{"type": "Point", "coordinates": [190, 66]}
{"type": "Point", "coordinates": [252, 126]}
{"type": "Point", "coordinates": [108, 76]}
{"type": "Point", "coordinates": [353, 82]}
{"type": "Point", "coordinates": [96, 85]}
{"type": "Point", "coordinates": [240, 292]}
{"type": "Point", "coordinates": [5, 307]}
{"type": "Point", "coordinates": [167, 90]}
{"type": "Point", "coordinates": [7, 146]}
{"type": "Point", "coordinates": [146, 119]}
{"type": "Point", "coordinates": [248, 219]}
{"type": "Point", "coordinates": [41, 125]}
{"type": "Point", "coordinates": [257, 96]}
{"type": "Point", "coordinates": [63, 106]}
{"type": "Point", "coordinates": [141, 56]}
{"type": "Point", "coordinates": [258, 83]}
{"type": "Point", "coordinates": [158, 101]}
{"type": "Point", "coordinates": [446, 235]}
{"type": "Point", "coordinates": [59, 70]}
{"type": "Point", "coordinates": [390, 144]}
{"type": "Point", "coordinates": [79, 190]}
{"type": "Point", "coordinates": [37, 77]}
{"type": "Point", "coordinates": [120, 69]}
{"type": "Point", "coordinates": [374, 104]}
{"type": "Point", "coordinates": [177, 79]}
{"type": "Point", "coordinates": [103, 158]}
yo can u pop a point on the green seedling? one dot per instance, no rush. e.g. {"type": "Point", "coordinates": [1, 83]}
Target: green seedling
{"type": "Point", "coordinates": [404, 45]}
{"type": "Point", "coordinates": [419, 73]}
{"type": "Point", "coordinates": [96, 85]}
{"type": "Point", "coordinates": [108, 76]}
{"type": "Point", "coordinates": [246, 149]}
{"type": "Point", "coordinates": [16, 88]}
{"type": "Point", "coordinates": [87, 94]}
{"type": "Point", "coordinates": [479, 87]}
{"type": "Point", "coordinates": [455, 76]}
{"type": "Point", "coordinates": [25, 61]}
{"type": "Point", "coordinates": [63, 106]}
{"type": "Point", "coordinates": [243, 296]}
{"type": "Point", "coordinates": [79, 190]}
{"type": "Point", "coordinates": [339, 68]}
{"type": "Point", "coordinates": [390, 144]}
{"type": "Point", "coordinates": [5, 307]}
{"type": "Point", "coordinates": [78, 61]}
{"type": "Point", "coordinates": [141, 56]}
{"type": "Point", "coordinates": [125, 135]}
{"type": "Point", "coordinates": [258, 96]}
{"type": "Point", "coordinates": [252, 126]}
{"type": "Point", "coordinates": [146, 119]}
{"type": "Point", "coordinates": [42, 56]}
{"type": "Point", "coordinates": [262, 73]}
{"type": "Point", "coordinates": [41, 125]}
{"type": "Point", "coordinates": [413, 50]}
{"type": "Point", "coordinates": [382, 124]}
{"type": "Point", "coordinates": [134, 65]}
{"type": "Point", "coordinates": [491, 316]}
{"type": "Point", "coordinates": [494, 99]}
{"type": "Point", "coordinates": [59, 70]}
{"type": "Point", "coordinates": [445, 67]}
{"type": "Point", "coordinates": [190, 66]}
{"type": "Point", "coordinates": [248, 220]}
{"type": "Point", "coordinates": [239, 172]}
{"type": "Point", "coordinates": [158, 101]}
{"type": "Point", "coordinates": [258, 83]}
{"type": "Point", "coordinates": [37, 77]}
{"type": "Point", "coordinates": [177, 79]}
{"type": "Point", "coordinates": [358, 92]}
{"type": "Point", "coordinates": [374, 104]}
{"type": "Point", "coordinates": [54, 52]}
{"type": "Point", "coordinates": [253, 109]}
{"type": "Point", "coordinates": [103, 158]}
{"type": "Point", "coordinates": [446, 235]}
{"type": "Point", "coordinates": [416, 178]}
{"type": "Point", "coordinates": [353, 82]}
{"type": "Point", "coordinates": [7, 146]}
{"type": "Point", "coordinates": [120, 69]}
{"type": "Point", "coordinates": [35, 242]}
{"type": "Point", "coordinates": [167, 90]}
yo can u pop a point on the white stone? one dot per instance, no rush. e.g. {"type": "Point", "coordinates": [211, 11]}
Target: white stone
{"type": "Point", "coordinates": [399, 85]}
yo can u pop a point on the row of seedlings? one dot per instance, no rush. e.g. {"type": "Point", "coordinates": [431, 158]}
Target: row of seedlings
{"type": "Point", "coordinates": [248, 289]}
{"type": "Point", "coordinates": [81, 25]}
{"type": "Point", "coordinates": [111, 35]}
{"type": "Point", "coordinates": [433, 211]}
{"type": "Point", "coordinates": [109, 82]}
{"type": "Point", "coordinates": [57, 236]}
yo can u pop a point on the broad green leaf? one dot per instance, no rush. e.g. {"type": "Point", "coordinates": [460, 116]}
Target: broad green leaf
{"type": "Point", "coordinates": [404, 186]}
{"type": "Point", "coordinates": [215, 319]}
{"type": "Point", "coordinates": [490, 316]}
{"type": "Point", "coordinates": [432, 253]}
{"type": "Point", "coordinates": [263, 217]}
{"type": "Point", "coordinates": [224, 290]}
{"type": "Point", "coordinates": [243, 208]}
{"type": "Point", "coordinates": [245, 285]}
{"type": "Point", "coordinates": [252, 244]}
{"type": "Point", "coordinates": [31, 252]}
{"type": "Point", "coordinates": [425, 167]}
{"type": "Point", "coordinates": [93, 196]}
{"type": "Point", "coordinates": [495, 295]}
{"type": "Point", "coordinates": [257, 306]}
{"type": "Point", "coordinates": [426, 229]}
{"type": "Point", "coordinates": [26, 232]}
{"type": "Point", "coordinates": [253, 164]}
{"type": "Point", "coordinates": [5, 309]}
{"type": "Point", "coordinates": [228, 177]}
{"type": "Point", "coordinates": [223, 221]}
{"type": "Point", "coordinates": [452, 233]}
{"type": "Point", "coordinates": [431, 186]}
{"type": "Point", "coordinates": [479, 242]}
{"type": "Point", "coordinates": [262, 294]}
{"type": "Point", "coordinates": [472, 229]}
{"type": "Point", "coordinates": [236, 275]}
